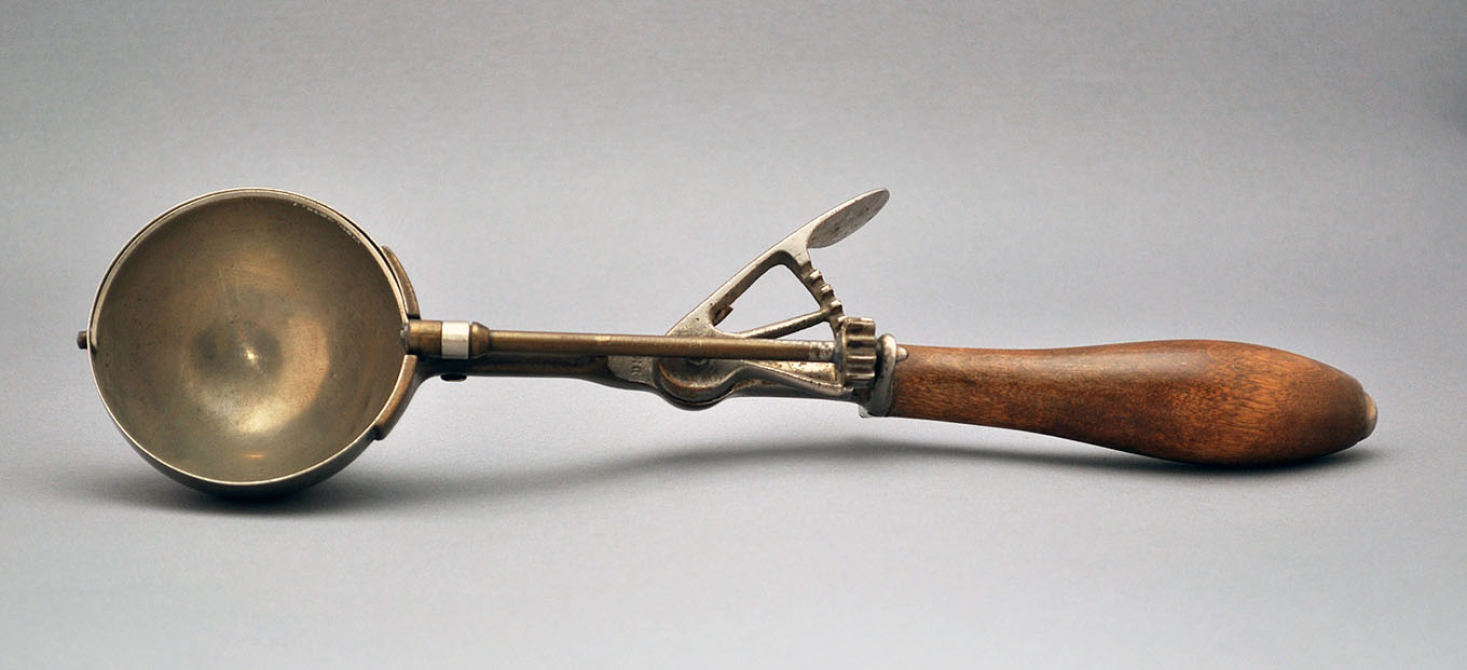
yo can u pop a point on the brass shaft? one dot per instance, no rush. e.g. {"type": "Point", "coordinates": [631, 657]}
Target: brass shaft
{"type": "Point", "coordinates": [425, 339]}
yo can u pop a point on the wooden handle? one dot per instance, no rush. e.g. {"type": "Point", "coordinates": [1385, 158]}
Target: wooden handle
{"type": "Point", "coordinates": [1197, 401]}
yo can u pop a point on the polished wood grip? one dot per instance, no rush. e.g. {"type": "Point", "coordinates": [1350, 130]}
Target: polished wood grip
{"type": "Point", "coordinates": [1197, 401]}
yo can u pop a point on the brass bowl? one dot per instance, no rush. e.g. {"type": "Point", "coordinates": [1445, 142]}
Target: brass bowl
{"type": "Point", "coordinates": [251, 341]}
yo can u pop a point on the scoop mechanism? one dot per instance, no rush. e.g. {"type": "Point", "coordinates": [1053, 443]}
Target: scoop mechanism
{"type": "Point", "coordinates": [254, 342]}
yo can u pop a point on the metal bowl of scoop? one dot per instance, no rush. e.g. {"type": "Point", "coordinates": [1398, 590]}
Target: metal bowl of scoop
{"type": "Point", "coordinates": [251, 342]}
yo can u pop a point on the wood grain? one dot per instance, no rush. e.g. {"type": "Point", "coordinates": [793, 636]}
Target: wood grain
{"type": "Point", "coordinates": [1196, 401]}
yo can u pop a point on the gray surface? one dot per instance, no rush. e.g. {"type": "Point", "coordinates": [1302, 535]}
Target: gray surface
{"type": "Point", "coordinates": [1290, 173]}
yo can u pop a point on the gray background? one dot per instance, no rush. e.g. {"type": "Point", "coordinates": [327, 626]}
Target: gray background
{"type": "Point", "coordinates": [1291, 173]}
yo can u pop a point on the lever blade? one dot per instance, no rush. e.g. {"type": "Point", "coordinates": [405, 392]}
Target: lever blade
{"type": "Point", "coordinates": [699, 384]}
{"type": "Point", "coordinates": [792, 252]}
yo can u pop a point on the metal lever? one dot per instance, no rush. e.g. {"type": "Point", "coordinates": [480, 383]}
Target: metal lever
{"type": "Point", "coordinates": [697, 364]}
{"type": "Point", "coordinates": [697, 383]}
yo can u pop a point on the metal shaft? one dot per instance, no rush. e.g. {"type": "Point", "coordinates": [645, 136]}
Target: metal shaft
{"type": "Point", "coordinates": [461, 340]}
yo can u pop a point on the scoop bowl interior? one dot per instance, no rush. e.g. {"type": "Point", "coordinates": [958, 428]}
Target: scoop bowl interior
{"type": "Point", "coordinates": [246, 341]}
